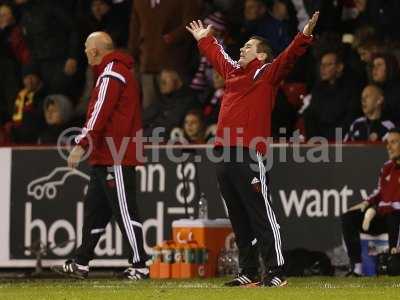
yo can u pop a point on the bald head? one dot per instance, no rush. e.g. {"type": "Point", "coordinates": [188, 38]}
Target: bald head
{"type": "Point", "coordinates": [372, 98]}
{"type": "Point", "coordinates": [97, 45]}
{"type": "Point", "coordinates": [101, 40]}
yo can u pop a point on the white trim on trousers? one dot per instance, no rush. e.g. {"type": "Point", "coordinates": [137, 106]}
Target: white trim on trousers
{"type": "Point", "coordinates": [126, 220]}
{"type": "Point", "coordinates": [270, 213]}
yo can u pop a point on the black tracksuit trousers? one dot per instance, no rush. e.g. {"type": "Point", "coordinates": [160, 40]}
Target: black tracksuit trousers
{"type": "Point", "coordinates": [111, 193]}
{"type": "Point", "coordinates": [244, 187]}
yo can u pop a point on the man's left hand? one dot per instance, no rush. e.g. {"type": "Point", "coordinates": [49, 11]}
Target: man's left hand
{"type": "Point", "coordinates": [75, 156]}
{"type": "Point", "coordinates": [309, 28]}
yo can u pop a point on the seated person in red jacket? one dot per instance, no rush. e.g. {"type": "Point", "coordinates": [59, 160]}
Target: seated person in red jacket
{"type": "Point", "coordinates": [379, 213]}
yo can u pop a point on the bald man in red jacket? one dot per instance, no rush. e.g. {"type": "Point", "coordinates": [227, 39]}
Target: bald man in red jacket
{"type": "Point", "coordinates": [244, 125]}
{"type": "Point", "coordinates": [113, 122]}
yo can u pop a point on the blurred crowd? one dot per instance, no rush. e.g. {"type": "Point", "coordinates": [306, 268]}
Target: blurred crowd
{"type": "Point", "coordinates": [349, 79]}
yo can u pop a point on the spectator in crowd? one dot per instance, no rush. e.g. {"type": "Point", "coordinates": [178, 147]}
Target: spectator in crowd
{"type": "Point", "coordinates": [163, 43]}
{"type": "Point", "coordinates": [272, 25]}
{"type": "Point", "coordinates": [44, 25]}
{"type": "Point", "coordinates": [53, 41]}
{"type": "Point", "coordinates": [334, 103]}
{"type": "Point", "coordinates": [371, 127]}
{"type": "Point", "coordinates": [254, 12]}
{"type": "Point", "coordinates": [380, 212]}
{"type": "Point", "coordinates": [100, 15]}
{"type": "Point", "coordinates": [203, 78]}
{"type": "Point", "coordinates": [193, 130]}
{"type": "Point", "coordinates": [120, 8]}
{"type": "Point", "coordinates": [27, 119]}
{"type": "Point", "coordinates": [366, 50]}
{"type": "Point", "coordinates": [13, 54]}
{"type": "Point", "coordinates": [175, 101]}
{"type": "Point", "coordinates": [364, 33]}
{"type": "Point", "coordinates": [386, 74]}
{"type": "Point", "coordinates": [12, 38]}
{"type": "Point", "coordinates": [331, 14]}
{"type": "Point", "coordinates": [329, 42]}
{"type": "Point", "coordinates": [194, 127]}
{"type": "Point", "coordinates": [123, 9]}
{"type": "Point", "coordinates": [220, 5]}
{"type": "Point", "coordinates": [302, 15]}
{"type": "Point", "coordinates": [382, 15]}
{"type": "Point", "coordinates": [213, 105]}
{"type": "Point", "coordinates": [103, 17]}
{"type": "Point", "coordinates": [57, 113]}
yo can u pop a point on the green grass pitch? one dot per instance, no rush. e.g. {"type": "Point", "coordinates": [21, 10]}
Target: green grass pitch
{"type": "Point", "coordinates": [205, 289]}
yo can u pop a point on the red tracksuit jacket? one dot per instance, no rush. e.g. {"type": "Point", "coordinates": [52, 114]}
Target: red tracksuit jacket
{"type": "Point", "coordinates": [249, 92]}
{"type": "Point", "coordinates": [114, 111]}
{"type": "Point", "coordinates": [387, 195]}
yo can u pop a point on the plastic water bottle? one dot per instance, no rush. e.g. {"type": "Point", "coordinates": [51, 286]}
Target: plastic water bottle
{"type": "Point", "coordinates": [203, 207]}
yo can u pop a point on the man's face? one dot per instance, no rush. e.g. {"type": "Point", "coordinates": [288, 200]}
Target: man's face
{"type": "Point", "coordinates": [168, 82]}
{"type": "Point", "coordinates": [360, 5]}
{"type": "Point", "coordinates": [91, 52]}
{"type": "Point", "coordinates": [393, 145]}
{"type": "Point", "coordinates": [371, 100]}
{"type": "Point", "coordinates": [280, 11]}
{"type": "Point", "coordinates": [329, 68]}
{"type": "Point", "coordinates": [31, 82]}
{"type": "Point", "coordinates": [379, 70]}
{"type": "Point", "coordinates": [52, 115]}
{"type": "Point", "coordinates": [192, 126]}
{"type": "Point", "coordinates": [6, 16]}
{"type": "Point", "coordinates": [365, 54]}
{"type": "Point", "coordinates": [248, 52]}
{"type": "Point", "coordinates": [99, 9]}
{"type": "Point", "coordinates": [253, 10]}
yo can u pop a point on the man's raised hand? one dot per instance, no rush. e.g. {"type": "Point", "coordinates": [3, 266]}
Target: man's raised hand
{"type": "Point", "coordinates": [197, 29]}
{"type": "Point", "coordinates": [309, 28]}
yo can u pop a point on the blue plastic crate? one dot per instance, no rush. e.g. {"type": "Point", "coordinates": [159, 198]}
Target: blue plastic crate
{"type": "Point", "coordinates": [371, 246]}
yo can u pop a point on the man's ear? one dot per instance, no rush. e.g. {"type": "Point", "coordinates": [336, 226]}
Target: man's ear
{"type": "Point", "coordinates": [93, 52]}
{"type": "Point", "coordinates": [381, 100]}
{"type": "Point", "coordinates": [262, 56]}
